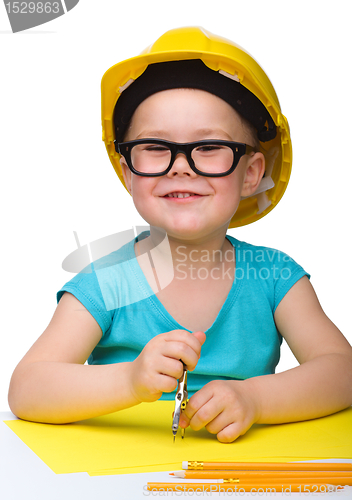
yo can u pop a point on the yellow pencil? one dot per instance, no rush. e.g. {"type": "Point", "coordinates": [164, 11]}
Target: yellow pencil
{"type": "Point", "coordinates": [259, 475]}
{"type": "Point", "coordinates": [272, 466]}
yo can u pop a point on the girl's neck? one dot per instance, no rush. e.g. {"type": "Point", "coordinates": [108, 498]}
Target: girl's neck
{"type": "Point", "coordinates": [202, 253]}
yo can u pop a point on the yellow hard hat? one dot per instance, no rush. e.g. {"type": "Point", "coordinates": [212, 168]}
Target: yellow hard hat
{"type": "Point", "coordinates": [234, 66]}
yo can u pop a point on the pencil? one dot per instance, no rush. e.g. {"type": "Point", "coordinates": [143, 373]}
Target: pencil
{"type": "Point", "coordinates": [337, 481]}
{"type": "Point", "coordinates": [269, 466]}
{"type": "Point", "coordinates": [245, 487]}
{"type": "Point", "coordinates": [260, 475]}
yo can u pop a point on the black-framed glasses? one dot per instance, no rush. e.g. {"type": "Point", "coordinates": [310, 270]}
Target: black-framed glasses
{"type": "Point", "coordinates": [155, 157]}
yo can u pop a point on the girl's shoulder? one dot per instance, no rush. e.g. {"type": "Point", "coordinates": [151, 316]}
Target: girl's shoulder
{"type": "Point", "coordinates": [259, 254]}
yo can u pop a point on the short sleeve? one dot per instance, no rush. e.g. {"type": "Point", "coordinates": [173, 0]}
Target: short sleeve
{"type": "Point", "coordinates": [85, 288]}
{"type": "Point", "coordinates": [286, 274]}
{"type": "Point", "coordinates": [101, 286]}
{"type": "Point", "coordinates": [268, 270]}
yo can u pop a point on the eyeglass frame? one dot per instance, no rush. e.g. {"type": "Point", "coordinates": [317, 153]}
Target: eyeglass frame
{"type": "Point", "coordinates": [239, 149]}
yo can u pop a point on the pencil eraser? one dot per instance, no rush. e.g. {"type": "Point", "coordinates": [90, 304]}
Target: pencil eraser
{"type": "Point", "coordinates": [185, 465]}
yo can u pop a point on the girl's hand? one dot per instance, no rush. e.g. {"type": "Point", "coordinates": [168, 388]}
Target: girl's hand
{"type": "Point", "coordinates": [159, 366]}
{"type": "Point", "coordinates": [223, 407]}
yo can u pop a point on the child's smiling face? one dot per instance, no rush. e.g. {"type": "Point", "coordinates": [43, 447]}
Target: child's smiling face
{"type": "Point", "coordinates": [187, 115]}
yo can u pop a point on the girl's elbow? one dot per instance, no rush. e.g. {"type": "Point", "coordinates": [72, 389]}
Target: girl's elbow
{"type": "Point", "coordinates": [18, 395]}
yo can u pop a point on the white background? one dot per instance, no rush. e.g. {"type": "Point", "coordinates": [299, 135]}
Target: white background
{"type": "Point", "coordinates": [56, 177]}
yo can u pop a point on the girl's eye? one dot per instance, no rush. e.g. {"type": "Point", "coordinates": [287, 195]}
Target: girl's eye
{"type": "Point", "coordinates": [155, 147]}
{"type": "Point", "coordinates": [208, 148]}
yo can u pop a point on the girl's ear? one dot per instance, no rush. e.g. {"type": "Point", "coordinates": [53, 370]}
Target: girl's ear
{"type": "Point", "coordinates": [253, 175]}
{"type": "Point", "coordinates": [126, 173]}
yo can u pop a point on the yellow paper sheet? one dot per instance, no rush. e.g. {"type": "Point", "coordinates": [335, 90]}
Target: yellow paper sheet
{"type": "Point", "coordinates": [139, 439]}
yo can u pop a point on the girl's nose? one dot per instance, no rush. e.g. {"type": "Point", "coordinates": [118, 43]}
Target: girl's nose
{"type": "Point", "coordinates": [181, 166]}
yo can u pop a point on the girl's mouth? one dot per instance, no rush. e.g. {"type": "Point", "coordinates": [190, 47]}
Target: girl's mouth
{"type": "Point", "coordinates": [182, 196]}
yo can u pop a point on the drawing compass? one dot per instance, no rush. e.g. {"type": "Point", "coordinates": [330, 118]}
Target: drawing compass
{"type": "Point", "coordinates": [180, 403]}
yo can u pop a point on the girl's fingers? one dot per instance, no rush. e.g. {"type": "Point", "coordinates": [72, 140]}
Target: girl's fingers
{"type": "Point", "coordinates": [180, 351]}
{"type": "Point", "coordinates": [231, 432]}
{"type": "Point", "coordinates": [193, 340]}
{"type": "Point", "coordinates": [200, 409]}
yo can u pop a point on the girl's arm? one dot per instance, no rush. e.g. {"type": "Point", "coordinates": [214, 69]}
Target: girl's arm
{"type": "Point", "coordinates": [322, 384]}
{"type": "Point", "coordinates": [52, 384]}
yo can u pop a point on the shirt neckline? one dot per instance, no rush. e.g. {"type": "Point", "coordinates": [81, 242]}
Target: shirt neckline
{"type": "Point", "coordinates": [143, 282]}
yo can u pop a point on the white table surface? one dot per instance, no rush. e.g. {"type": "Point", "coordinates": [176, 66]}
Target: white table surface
{"type": "Point", "coordinates": [23, 476]}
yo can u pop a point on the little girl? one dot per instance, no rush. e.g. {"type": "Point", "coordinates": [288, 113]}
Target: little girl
{"type": "Point", "coordinates": [195, 133]}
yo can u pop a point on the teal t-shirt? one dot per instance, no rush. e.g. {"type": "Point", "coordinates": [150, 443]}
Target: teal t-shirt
{"type": "Point", "coordinates": [242, 342]}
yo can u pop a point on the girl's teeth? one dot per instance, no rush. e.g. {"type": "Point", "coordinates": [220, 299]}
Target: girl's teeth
{"type": "Point", "coordinates": [180, 195]}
